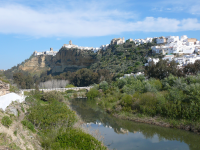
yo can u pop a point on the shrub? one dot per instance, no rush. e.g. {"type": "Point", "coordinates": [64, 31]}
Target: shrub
{"type": "Point", "coordinates": [92, 93]}
{"type": "Point", "coordinates": [22, 108]}
{"type": "Point", "coordinates": [121, 83]}
{"type": "Point", "coordinates": [149, 88]}
{"type": "Point", "coordinates": [126, 102]}
{"type": "Point", "coordinates": [70, 86]}
{"type": "Point", "coordinates": [55, 114]}
{"type": "Point", "coordinates": [78, 139]}
{"type": "Point", "coordinates": [148, 103]}
{"type": "Point", "coordinates": [140, 77]}
{"type": "Point", "coordinates": [156, 84]}
{"type": "Point", "coordinates": [75, 95]}
{"type": "Point", "coordinates": [53, 95]}
{"type": "Point", "coordinates": [6, 121]}
{"type": "Point", "coordinates": [15, 132]}
{"type": "Point", "coordinates": [13, 89]}
{"type": "Point", "coordinates": [70, 91]}
{"type": "Point", "coordinates": [103, 85]}
{"type": "Point", "coordinates": [28, 124]}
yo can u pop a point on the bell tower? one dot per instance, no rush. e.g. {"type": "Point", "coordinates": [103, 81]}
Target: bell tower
{"type": "Point", "coordinates": [70, 42]}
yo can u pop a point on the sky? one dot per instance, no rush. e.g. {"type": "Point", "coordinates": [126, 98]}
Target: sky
{"type": "Point", "coordinates": [27, 26]}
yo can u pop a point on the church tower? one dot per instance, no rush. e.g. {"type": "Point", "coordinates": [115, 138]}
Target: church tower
{"type": "Point", "coordinates": [70, 42]}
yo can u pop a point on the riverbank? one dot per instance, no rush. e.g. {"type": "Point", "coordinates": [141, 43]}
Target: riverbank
{"type": "Point", "coordinates": [57, 126]}
{"type": "Point", "coordinates": [125, 135]}
{"type": "Point", "coordinates": [171, 102]}
{"type": "Point", "coordinates": [159, 121]}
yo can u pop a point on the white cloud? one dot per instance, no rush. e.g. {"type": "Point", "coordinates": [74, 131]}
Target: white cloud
{"type": "Point", "coordinates": [18, 19]}
{"type": "Point", "coordinates": [189, 6]}
{"type": "Point", "coordinates": [195, 9]}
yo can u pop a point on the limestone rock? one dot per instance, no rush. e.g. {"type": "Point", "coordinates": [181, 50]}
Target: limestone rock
{"type": "Point", "coordinates": [65, 60]}
{"type": "Point", "coordinates": [12, 110]}
{"type": "Point", "coordinates": [4, 88]}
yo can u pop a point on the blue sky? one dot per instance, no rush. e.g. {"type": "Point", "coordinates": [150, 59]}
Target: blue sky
{"type": "Point", "coordinates": [26, 26]}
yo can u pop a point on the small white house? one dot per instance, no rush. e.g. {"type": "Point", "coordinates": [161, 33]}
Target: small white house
{"type": "Point", "coordinates": [160, 41]}
{"type": "Point", "coordinates": [155, 60]}
{"type": "Point", "coordinates": [168, 57]}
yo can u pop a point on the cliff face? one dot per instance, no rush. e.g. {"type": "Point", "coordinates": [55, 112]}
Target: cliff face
{"type": "Point", "coordinates": [71, 60]}
{"type": "Point", "coordinates": [4, 88]}
{"type": "Point", "coordinates": [65, 60]}
{"type": "Point", "coordinates": [37, 64]}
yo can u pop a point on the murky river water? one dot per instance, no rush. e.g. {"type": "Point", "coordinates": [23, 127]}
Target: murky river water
{"type": "Point", "coordinates": [128, 135]}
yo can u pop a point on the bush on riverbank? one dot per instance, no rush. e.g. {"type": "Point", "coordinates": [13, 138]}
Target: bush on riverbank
{"type": "Point", "coordinates": [53, 120]}
{"type": "Point", "coordinates": [172, 97]}
{"type": "Point", "coordinates": [79, 140]}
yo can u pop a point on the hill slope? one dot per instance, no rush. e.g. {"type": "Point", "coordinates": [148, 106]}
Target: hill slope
{"type": "Point", "coordinates": [125, 58]}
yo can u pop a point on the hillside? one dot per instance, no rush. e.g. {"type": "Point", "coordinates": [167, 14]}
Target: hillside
{"type": "Point", "coordinates": [71, 60]}
{"type": "Point", "coordinates": [65, 60]}
{"type": "Point", "coordinates": [118, 59]}
{"type": "Point", "coordinates": [125, 58]}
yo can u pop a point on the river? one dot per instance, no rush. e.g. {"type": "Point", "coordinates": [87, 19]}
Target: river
{"type": "Point", "coordinates": [128, 135]}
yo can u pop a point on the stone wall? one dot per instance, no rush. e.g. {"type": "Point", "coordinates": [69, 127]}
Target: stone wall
{"type": "Point", "coordinates": [4, 88]}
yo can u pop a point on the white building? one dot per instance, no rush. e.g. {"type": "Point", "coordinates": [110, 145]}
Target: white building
{"type": "Point", "coordinates": [184, 38]}
{"type": "Point", "coordinates": [172, 39]}
{"type": "Point", "coordinates": [142, 41]}
{"type": "Point", "coordinates": [51, 52]}
{"type": "Point", "coordinates": [117, 41]}
{"type": "Point", "coordinates": [176, 46]}
{"type": "Point", "coordinates": [132, 75]}
{"type": "Point", "coordinates": [104, 47]}
{"type": "Point", "coordinates": [161, 40]}
{"type": "Point", "coordinates": [155, 61]}
{"type": "Point", "coordinates": [168, 57]}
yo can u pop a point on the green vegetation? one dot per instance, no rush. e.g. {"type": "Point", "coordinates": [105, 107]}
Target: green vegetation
{"type": "Point", "coordinates": [51, 96]}
{"type": "Point", "coordinates": [173, 97]}
{"type": "Point", "coordinates": [15, 132]}
{"type": "Point", "coordinates": [54, 122]}
{"type": "Point", "coordinates": [22, 108]}
{"type": "Point", "coordinates": [70, 86]}
{"type": "Point", "coordinates": [125, 58]}
{"type": "Point", "coordinates": [29, 125]}
{"type": "Point", "coordinates": [6, 121]}
{"type": "Point", "coordinates": [163, 69]}
{"type": "Point", "coordinates": [79, 140]}
{"type": "Point", "coordinates": [23, 81]}
{"type": "Point", "coordinates": [108, 65]}
{"type": "Point", "coordinates": [92, 93]}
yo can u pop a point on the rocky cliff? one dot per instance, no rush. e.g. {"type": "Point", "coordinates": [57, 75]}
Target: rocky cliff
{"type": "Point", "coordinates": [72, 60]}
{"type": "Point", "coordinates": [37, 64]}
{"type": "Point", "coordinates": [4, 88]}
{"type": "Point", "coordinates": [65, 60]}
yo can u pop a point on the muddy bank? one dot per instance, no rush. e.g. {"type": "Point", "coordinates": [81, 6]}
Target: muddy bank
{"type": "Point", "coordinates": [154, 121]}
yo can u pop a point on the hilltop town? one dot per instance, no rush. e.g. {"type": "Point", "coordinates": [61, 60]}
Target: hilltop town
{"type": "Point", "coordinates": [183, 50]}
{"type": "Point", "coordinates": [115, 41]}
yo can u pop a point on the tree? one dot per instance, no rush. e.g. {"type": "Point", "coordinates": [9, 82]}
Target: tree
{"type": "Point", "coordinates": [29, 82]}
{"type": "Point", "coordinates": [103, 85]}
{"type": "Point", "coordinates": [162, 69]}
{"type": "Point", "coordinates": [82, 77]}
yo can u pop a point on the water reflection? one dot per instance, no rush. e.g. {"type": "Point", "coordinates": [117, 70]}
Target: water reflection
{"type": "Point", "coordinates": [125, 135]}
